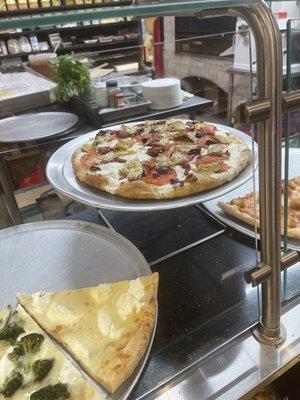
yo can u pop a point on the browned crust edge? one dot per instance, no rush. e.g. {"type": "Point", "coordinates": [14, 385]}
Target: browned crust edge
{"type": "Point", "coordinates": [133, 351]}
{"type": "Point", "coordinates": [233, 210]}
{"type": "Point", "coordinates": [129, 357]}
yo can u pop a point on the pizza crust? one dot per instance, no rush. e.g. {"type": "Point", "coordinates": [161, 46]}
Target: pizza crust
{"type": "Point", "coordinates": [233, 210]}
{"type": "Point", "coordinates": [84, 175]}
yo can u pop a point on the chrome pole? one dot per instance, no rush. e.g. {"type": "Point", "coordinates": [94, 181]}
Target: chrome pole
{"type": "Point", "coordinates": [269, 81]}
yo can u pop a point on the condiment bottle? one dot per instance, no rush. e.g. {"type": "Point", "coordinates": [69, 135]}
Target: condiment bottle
{"type": "Point", "coordinates": [100, 94]}
{"type": "Point", "coordinates": [120, 100]}
{"type": "Point", "coordinates": [112, 90]}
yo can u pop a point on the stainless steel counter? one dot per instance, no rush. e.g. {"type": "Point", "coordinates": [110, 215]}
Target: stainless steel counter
{"type": "Point", "coordinates": [240, 368]}
{"type": "Point", "coordinates": [203, 348]}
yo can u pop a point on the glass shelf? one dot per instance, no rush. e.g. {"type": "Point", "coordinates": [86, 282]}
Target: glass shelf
{"type": "Point", "coordinates": [113, 12]}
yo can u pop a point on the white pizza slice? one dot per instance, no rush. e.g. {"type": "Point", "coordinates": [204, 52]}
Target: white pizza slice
{"type": "Point", "coordinates": [106, 328]}
{"type": "Point", "coordinates": [33, 368]}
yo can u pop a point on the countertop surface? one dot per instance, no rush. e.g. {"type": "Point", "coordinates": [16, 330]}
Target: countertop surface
{"type": "Point", "coordinates": [203, 298]}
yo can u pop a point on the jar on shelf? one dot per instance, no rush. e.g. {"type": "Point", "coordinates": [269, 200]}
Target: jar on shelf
{"type": "Point", "coordinates": [11, 5]}
{"type": "Point", "coordinates": [112, 90]}
{"type": "Point", "coordinates": [33, 3]}
{"type": "Point", "coordinates": [23, 4]}
{"type": "Point", "coordinates": [100, 94]}
{"type": "Point", "coordinates": [120, 100]}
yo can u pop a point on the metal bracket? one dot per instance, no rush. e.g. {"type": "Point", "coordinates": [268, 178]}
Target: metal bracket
{"type": "Point", "coordinates": [259, 110]}
{"type": "Point", "coordinates": [262, 272]}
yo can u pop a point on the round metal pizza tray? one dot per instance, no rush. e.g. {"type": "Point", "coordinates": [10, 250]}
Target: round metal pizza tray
{"type": "Point", "coordinates": [61, 176]}
{"type": "Point", "coordinates": [35, 126]}
{"type": "Point", "coordinates": [60, 255]}
{"type": "Point", "coordinates": [212, 206]}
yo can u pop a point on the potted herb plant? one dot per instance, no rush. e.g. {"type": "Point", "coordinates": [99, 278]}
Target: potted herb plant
{"type": "Point", "coordinates": [72, 77]}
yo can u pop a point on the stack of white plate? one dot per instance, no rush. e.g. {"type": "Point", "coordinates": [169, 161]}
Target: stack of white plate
{"type": "Point", "coordinates": [163, 93]}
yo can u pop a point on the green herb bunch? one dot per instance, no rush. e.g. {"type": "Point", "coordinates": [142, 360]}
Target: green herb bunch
{"type": "Point", "coordinates": [72, 77]}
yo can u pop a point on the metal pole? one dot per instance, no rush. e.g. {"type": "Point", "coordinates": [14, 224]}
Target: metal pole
{"type": "Point", "coordinates": [8, 190]}
{"type": "Point", "coordinates": [269, 80]}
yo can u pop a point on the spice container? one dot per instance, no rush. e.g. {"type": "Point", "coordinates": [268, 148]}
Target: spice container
{"type": "Point", "coordinates": [11, 5]}
{"type": "Point", "coordinates": [34, 43]}
{"type": "Point", "coordinates": [33, 3]}
{"type": "Point", "coordinates": [45, 3]}
{"type": "Point", "coordinates": [3, 48]}
{"type": "Point", "coordinates": [112, 90]}
{"type": "Point", "coordinates": [25, 46]}
{"type": "Point", "coordinates": [22, 4]}
{"type": "Point", "coordinates": [2, 5]}
{"type": "Point", "coordinates": [100, 94]}
{"type": "Point", "coordinates": [13, 46]}
{"type": "Point", "coordinates": [120, 100]}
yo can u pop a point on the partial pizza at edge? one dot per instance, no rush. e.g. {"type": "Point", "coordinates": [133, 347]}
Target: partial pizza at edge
{"type": "Point", "coordinates": [242, 208]}
{"type": "Point", "coordinates": [106, 328]}
{"type": "Point", "coordinates": [160, 159]}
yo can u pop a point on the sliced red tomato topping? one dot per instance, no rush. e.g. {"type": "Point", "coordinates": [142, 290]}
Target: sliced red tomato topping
{"type": "Point", "coordinates": [224, 167]}
{"type": "Point", "coordinates": [137, 137]}
{"type": "Point", "coordinates": [88, 159]}
{"type": "Point", "coordinates": [210, 128]}
{"type": "Point", "coordinates": [207, 159]}
{"type": "Point", "coordinates": [104, 150]}
{"type": "Point", "coordinates": [157, 179]}
{"type": "Point", "coordinates": [119, 134]}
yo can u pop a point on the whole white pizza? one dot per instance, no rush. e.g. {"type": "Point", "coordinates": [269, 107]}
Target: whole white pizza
{"type": "Point", "coordinates": [160, 159]}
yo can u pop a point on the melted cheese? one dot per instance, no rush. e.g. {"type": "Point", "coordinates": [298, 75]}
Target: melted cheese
{"type": "Point", "coordinates": [62, 371]}
{"type": "Point", "coordinates": [113, 170]}
{"type": "Point", "coordinates": [110, 316]}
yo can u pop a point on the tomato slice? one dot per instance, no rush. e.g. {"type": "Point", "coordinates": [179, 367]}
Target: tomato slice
{"type": "Point", "coordinates": [137, 137]}
{"type": "Point", "coordinates": [159, 180]}
{"type": "Point", "coordinates": [224, 167]}
{"type": "Point", "coordinates": [207, 159]}
{"type": "Point", "coordinates": [88, 159]}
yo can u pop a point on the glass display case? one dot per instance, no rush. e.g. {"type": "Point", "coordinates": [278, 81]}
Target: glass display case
{"type": "Point", "coordinates": [223, 283]}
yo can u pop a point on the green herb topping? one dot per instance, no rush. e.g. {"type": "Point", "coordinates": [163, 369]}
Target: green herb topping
{"type": "Point", "coordinates": [11, 332]}
{"type": "Point", "coordinates": [32, 342]}
{"type": "Point", "coordinates": [52, 392]}
{"type": "Point", "coordinates": [16, 353]}
{"type": "Point", "coordinates": [41, 369]}
{"type": "Point", "coordinates": [11, 384]}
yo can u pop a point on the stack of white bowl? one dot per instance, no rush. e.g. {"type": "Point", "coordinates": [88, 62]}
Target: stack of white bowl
{"type": "Point", "coordinates": [163, 93]}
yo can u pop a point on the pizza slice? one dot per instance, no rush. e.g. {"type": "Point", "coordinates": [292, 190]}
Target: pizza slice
{"type": "Point", "coordinates": [106, 328]}
{"type": "Point", "coordinates": [33, 368]}
{"type": "Point", "coordinates": [246, 208]}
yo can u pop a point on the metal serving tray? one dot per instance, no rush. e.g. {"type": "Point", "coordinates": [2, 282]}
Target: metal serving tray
{"type": "Point", "coordinates": [61, 176]}
{"type": "Point", "coordinates": [102, 116]}
{"type": "Point", "coordinates": [212, 206]}
{"type": "Point", "coordinates": [60, 255]}
{"type": "Point", "coordinates": [35, 126]}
